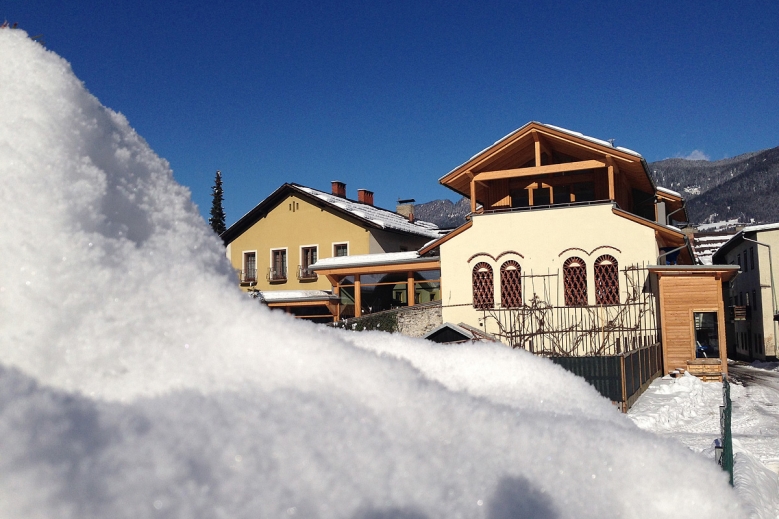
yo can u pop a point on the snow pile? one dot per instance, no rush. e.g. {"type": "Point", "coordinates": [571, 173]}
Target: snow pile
{"type": "Point", "coordinates": [758, 485]}
{"type": "Point", "coordinates": [136, 380]}
{"type": "Point", "coordinates": [667, 405]}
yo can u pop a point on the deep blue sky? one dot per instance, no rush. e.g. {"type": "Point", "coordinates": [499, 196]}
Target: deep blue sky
{"type": "Point", "coordinates": [390, 97]}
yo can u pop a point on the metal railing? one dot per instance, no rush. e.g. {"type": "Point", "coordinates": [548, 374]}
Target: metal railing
{"type": "Point", "coordinates": [305, 273]}
{"type": "Point", "coordinates": [276, 275]}
{"type": "Point", "coordinates": [249, 276]}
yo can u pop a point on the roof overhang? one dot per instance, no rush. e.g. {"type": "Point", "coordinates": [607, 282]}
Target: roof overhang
{"type": "Point", "coordinates": [509, 153]}
{"type": "Point", "coordinates": [721, 272]}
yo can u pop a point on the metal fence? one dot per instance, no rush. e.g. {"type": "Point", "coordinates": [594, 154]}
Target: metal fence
{"type": "Point", "coordinates": [620, 378]}
{"type": "Point", "coordinates": [576, 331]}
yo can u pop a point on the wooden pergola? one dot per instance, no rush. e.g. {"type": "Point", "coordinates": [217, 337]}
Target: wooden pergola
{"type": "Point", "coordinates": [336, 275]}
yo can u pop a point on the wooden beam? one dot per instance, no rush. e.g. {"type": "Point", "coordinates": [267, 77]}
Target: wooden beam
{"type": "Point", "coordinates": [357, 296]}
{"type": "Point", "coordinates": [611, 182]}
{"type": "Point", "coordinates": [540, 170]}
{"type": "Point", "coordinates": [384, 269]}
{"type": "Point", "coordinates": [537, 146]}
{"type": "Point", "coordinates": [473, 196]}
{"type": "Point", "coordinates": [410, 289]}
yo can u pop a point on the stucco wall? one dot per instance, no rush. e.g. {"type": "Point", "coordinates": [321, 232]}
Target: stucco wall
{"type": "Point", "coordinates": [293, 227]}
{"type": "Point", "coordinates": [541, 241]}
{"type": "Point", "coordinates": [758, 281]}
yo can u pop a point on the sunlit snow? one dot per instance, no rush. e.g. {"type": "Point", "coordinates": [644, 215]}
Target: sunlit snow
{"type": "Point", "coordinates": [137, 381]}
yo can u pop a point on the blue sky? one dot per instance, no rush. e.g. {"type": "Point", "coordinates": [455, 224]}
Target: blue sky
{"type": "Point", "coordinates": [391, 96]}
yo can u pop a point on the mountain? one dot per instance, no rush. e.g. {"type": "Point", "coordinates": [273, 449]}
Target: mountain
{"type": "Point", "coordinates": [745, 187]}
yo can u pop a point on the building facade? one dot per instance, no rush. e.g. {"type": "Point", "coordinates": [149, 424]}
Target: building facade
{"type": "Point", "coordinates": [274, 245]}
{"type": "Point", "coordinates": [751, 297]}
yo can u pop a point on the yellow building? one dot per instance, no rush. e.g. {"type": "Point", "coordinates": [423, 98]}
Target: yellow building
{"type": "Point", "coordinates": [274, 244]}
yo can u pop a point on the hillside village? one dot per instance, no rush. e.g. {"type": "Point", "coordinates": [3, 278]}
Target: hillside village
{"type": "Point", "coordinates": [569, 247]}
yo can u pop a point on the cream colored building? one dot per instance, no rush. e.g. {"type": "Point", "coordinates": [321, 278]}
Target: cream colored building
{"type": "Point", "coordinates": [751, 297]}
{"type": "Point", "coordinates": [274, 244]}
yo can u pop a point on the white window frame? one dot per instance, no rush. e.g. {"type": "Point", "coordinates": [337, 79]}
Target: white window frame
{"type": "Point", "coordinates": [243, 264]}
{"type": "Point", "coordinates": [286, 258]}
{"type": "Point", "coordinates": [348, 248]}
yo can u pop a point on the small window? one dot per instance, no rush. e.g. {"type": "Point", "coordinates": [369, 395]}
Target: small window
{"type": "Point", "coordinates": [706, 335]}
{"type": "Point", "coordinates": [308, 256]}
{"type": "Point", "coordinates": [606, 281]}
{"type": "Point", "coordinates": [483, 291]}
{"type": "Point", "coordinates": [510, 285]}
{"type": "Point", "coordinates": [278, 269]}
{"type": "Point", "coordinates": [752, 258]}
{"type": "Point", "coordinates": [249, 273]}
{"type": "Point", "coordinates": [747, 301]}
{"type": "Point", "coordinates": [575, 282]}
{"type": "Point", "coordinates": [340, 249]}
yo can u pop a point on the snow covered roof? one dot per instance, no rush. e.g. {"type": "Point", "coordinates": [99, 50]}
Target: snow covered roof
{"type": "Point", "coordinates": [381, 217]}
{"type": "Point", "coordinates": [558, 128]}
{"type": "Point", "coordinates": [740, 236]}
{"type": "Point", "coordinates": [669, 191]}
{"type": "Point", "coordinates": [362, 260]}
{"type": "Point", "coordinates": [286, 296]}
{"type": "Point", "coordinates": [371, 215]}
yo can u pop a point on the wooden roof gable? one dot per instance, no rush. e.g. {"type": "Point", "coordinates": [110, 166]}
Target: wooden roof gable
{"type": "Point", "coordinates": [541, 149]}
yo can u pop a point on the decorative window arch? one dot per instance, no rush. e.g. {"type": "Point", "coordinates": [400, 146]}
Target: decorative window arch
{"type": "Point", "coordinates": [575, 282]}
{"type": "Point", "coordinates": [606, 280]}
{"type": "Point", "coordinates": [510, 284]}
{"type": "Point", "coordinates": [483, 290]}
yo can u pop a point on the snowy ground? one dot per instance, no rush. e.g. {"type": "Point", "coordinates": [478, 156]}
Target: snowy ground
{"type": "Point", "coordinates": [137, 381]}
{"type": "Point", "coordinates": [687, 410]}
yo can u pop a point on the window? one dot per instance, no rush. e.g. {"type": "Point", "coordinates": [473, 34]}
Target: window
{"type": "Point", "coordinates": [340, 249]}
{"type": "Point", "coordinates": [706, 335]}
{"type": "Point", "coordinates": [308, 257]}
{"type": "Point", "coordinates": [752, 258]}
{"type": "Point", "coordinates": [249, 273]}
{"type": "Point", "coordinates": [483, 292]}
{"type": "Point", "coordinates": [510, 285]}
{"type": "Point", "coordinates": [575, 282]}
{"type": "Point", "coordinates": [606, 281]}
{"type": "Point", "coordinates": [278, 268]}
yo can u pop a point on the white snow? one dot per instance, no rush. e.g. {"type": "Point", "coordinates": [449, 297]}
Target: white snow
{"type": "Point", "coordinates": [365, 259]}
{"type": "Point", "coordinates": [137, 381]}
{"type": "Point", "coordinates": [386, 219]}
{"type": "Point", "coordinates": [669, 191]}
{"type": "Point", "coordinates": [687, 410]}
{"type": "Point", "coordinates": [272, 296]}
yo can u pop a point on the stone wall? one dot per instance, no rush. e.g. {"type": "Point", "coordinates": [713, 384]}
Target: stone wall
{"type": "Point", "coordinates": [414, 321]}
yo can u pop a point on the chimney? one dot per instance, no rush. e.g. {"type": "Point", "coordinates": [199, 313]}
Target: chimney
{"type": "Point", "coordinates": [365, 196]}
{"type": "Point", "coordinates": [339, 188]}
{"type": "Point", "coordinates": [406, 208]}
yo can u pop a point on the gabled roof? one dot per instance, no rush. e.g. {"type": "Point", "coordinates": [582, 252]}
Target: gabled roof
{"type": "Point", "coordinates": [358, 212]}
{"type": "Point", "coordinates": [515, 148]}
{"type": "Point", "coordinates": [738, 238]}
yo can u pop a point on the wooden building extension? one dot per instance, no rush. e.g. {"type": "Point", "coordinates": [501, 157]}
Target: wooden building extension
{"type": "Point", "coordinates": [692, 318]}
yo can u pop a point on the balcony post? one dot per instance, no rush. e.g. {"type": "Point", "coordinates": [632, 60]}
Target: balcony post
{"type": "Point", "coordinates": [410, 289]}
{"type": "Point", "coordinates": [357, 296]}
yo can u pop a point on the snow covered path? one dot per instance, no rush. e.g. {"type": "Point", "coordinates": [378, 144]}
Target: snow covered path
{"type": "Point", "coordinates": [757, 427]}
{"type": "Point", "coordinates": [687, 410]}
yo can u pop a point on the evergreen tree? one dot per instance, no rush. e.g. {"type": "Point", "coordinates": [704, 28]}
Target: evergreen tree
{"type": "Point", "coordinates": [217, 220]}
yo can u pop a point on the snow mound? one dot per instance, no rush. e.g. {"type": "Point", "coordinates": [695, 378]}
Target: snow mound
{"type": "Point", "coordinates": [136, 381]}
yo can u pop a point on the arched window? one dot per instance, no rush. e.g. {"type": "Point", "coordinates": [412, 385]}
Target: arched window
{"type": "Point", "coordinates": [575, 281]}
{"type": "Point", "coordinates": [606, 281]}
{"type": "Point", "coordinates": [510, 285]}
{"type": "Point", "coordinates": [483, 291]}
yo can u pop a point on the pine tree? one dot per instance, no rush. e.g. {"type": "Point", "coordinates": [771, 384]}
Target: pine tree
{"type": "Point", "coordinates": [217, 220]}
